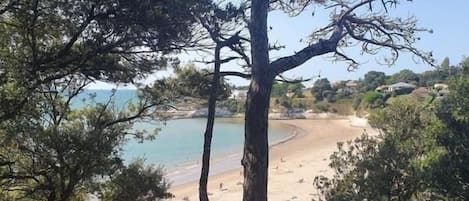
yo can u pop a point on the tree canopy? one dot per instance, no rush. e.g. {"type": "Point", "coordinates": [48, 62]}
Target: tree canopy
{"type": "Point", "coordinates": [321, 89]}
{"type": "Point", "coordinates": [49, 52]}
{"type": "Point", "coordinates": [373, 79]}
{"type": "Point", "coordinates": [44, 42]}
{"type": "Point", "coordinates": [406, 75]}
{"type": "Point", "coordinates": [280, 89]}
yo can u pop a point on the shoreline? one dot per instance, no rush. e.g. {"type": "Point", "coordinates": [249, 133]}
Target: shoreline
{"type": "Point", "coordinates": [219, 164]}
{"type": "Point", "coordinates": [224, 113]}
{"type": "Point", "coordinates": [292, 161]}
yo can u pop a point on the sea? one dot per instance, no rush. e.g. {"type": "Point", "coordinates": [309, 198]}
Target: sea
{"type": "Point", "coordinates": [178, 146]}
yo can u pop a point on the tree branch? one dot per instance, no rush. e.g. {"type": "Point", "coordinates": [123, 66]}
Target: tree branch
{"type": "Point", "coordinates": [294, 81]}
{"type": "Point", "coordinates": [11, 4]}
{"type": "Point", "coordinates": [321, 47]}
{"type": "Point", "coordinates": [235, 73]}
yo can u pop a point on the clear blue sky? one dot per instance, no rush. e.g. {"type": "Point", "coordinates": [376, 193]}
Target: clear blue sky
{"type": "Point", "coordinates": [449, 21]}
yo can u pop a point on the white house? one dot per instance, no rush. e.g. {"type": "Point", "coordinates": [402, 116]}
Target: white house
{"type": "Point", "coordinates": [239, 94]}
{"type": "Point", "coordinates": [400, 86]}
{"type": "Point", "coordinates": [351, 86]}
{"type": "Point", "coordinates": [440, 86]}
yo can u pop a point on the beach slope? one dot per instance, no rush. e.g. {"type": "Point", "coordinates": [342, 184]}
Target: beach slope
{"type": "Point", "coordinates": [293, 164]}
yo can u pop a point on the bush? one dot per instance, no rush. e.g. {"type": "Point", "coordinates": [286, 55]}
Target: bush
{"type": "Point", "coordinates": [322, 107]}
{"type": "Point", "coordinates": [232, 105]}
{"type": "Point", "coordinates": [329, 96]}
{"type": "Point", "coordinates": [371, 96]}
{"type": "Point", "coordinates": [391, 166]}
{"type": "Point", "coordinates": [136, 182]}
{"type": "Point", "coordinates": [378, 103]}
{"type": "Point", "coordinates": [299, 105]}
{"type": "Point", "coordinates": [285, 102]}
{"type": "Point", "coordinates": [357, 101]}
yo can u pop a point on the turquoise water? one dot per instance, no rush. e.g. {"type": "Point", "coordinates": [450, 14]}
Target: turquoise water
{"type": "Point", "coordinates": [120, 99]}
{"type": "Point", "coordinates": [179, 143]}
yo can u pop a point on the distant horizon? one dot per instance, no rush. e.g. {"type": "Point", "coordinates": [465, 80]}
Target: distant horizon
{"type": "Point", "coordinates": [108, 86]}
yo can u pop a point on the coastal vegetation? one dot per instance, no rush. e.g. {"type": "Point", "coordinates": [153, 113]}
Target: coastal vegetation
{"type": "Point", "coordinates": [419, 154]}
{"type": "Point", "coordinates": [50, 51]}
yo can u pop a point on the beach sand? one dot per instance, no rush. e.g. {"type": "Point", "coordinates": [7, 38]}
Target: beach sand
{"type": "Point", "coordinates": [293, 164]}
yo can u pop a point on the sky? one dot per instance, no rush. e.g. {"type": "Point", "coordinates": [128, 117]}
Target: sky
{"type": "Point", "coordinates": [449, 21]}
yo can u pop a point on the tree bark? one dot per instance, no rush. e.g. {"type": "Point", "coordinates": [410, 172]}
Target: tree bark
{"type": "Point", "coordinates": [203, 196]}
{"type": "Point", "coordinates": [256, 148]}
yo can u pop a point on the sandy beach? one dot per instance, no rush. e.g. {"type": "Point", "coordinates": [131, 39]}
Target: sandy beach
{"type": "Point", "coordinates": [293, 163]}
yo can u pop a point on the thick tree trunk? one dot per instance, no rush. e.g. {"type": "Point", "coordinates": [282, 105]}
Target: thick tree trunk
{"type": "Point", "coordinates": [256, 148]}
{"type": "Point", "coordinates": [256, 145]}
{"type": "Point", "coordinates": [203, 196]}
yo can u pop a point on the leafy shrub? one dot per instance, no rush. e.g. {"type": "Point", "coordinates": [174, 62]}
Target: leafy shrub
{"type": "Point", "coordinates": [136, 182]}
{"type": "Point", "coordinates": [329, 95]}
{"type": "Point", "coordinates": [232, 105]}
{"type": "Point", "coordinates": [371, 96]}
{"type": "Point", "coordinates": [357, 101]}
{"type": "Point", "coordinates": [322, 107]}
{"type": "Point", "coordinates": [285, 102]}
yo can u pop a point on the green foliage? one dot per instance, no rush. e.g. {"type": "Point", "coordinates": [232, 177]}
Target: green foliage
{"type": "Point", "coordinates": [442, 74]}
{"type": "Point", "coordinates": [65, 149]}
{"type": "Point", "coordinates": [429, 78]}
{"type": "Point", "coordinates": [445, 64]}
{"type": "Point", "coordinates": [52, 41]}
{"type": "Point", "coordinates": [232, 105]}
{"type": "Point", "coordinates": [405, 75]}
{"type": "Point", "coordinates": [357, 100]}
{"type": "Point", "coordinates": [299, 103]}
{"type": "Point", "coordinates": [281, 89]}
{"type": "Point", "coordinates": [296, 89]}
{"type": "Point", "coordinates": [373, 99]}
{"type": "Point", "coordinates": [454, 113]}
{"type": "Point", "coordinates": [329, 95]}
{"type": "Point", "coordinates": [285, 102]}
{"type": "Point", "coordinates": [188, 81]}
{"type": "Point", "coordinates": [421, 152]}
{"type": "Point", "coordinates": [322, 107]}
{"type": "Point", "coordinates": [320, 87]}
{"type": "Point", "coordinates": [372, 80]}
{"type": "Point", "coordinates": [137, 183]}
{"type": "Point", "coordinates": [390, 166]}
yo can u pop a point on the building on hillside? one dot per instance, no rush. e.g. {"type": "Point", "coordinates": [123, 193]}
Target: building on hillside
{"type": "Point", "coordinates": [352, 84]}
{"type": "Point", "coordinates": [401, 86]}
{"type": "Point", "coordinates": [443, 92]}
{"type": "Point", "coordinates": [382, 88]}
{"type": "Point", "coordinates": [351, 87]}
{"type": "Point", "coordinates": [239, 94]}
{"type": "Point", "coordinates": [440, 86]}
{"type": "Point", "coordinates": [336, 84]}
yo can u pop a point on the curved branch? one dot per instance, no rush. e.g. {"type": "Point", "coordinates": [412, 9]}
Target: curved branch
{"type": "Point", "coordinates": [294, 81]}
{"type": "Point", "coordinates": [321, 47]}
